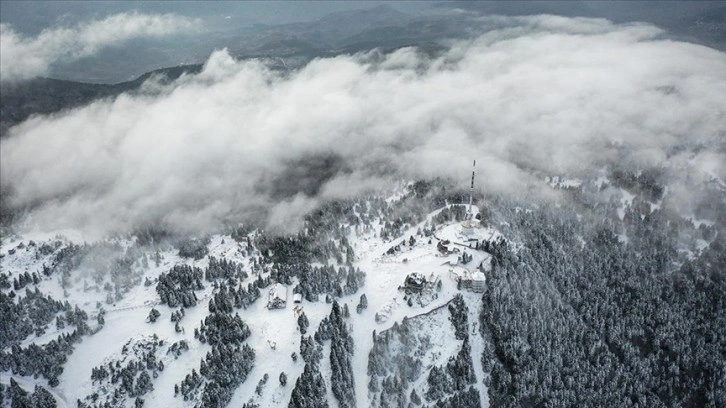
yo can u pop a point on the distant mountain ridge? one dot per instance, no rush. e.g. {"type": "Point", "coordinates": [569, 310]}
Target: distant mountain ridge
{"type": "Point", "coordinates": [48, 95]}
{"type": "Point", "coordinates": [359, 30]}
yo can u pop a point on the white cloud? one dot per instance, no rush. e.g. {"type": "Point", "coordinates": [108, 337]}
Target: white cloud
{"type": "Point", "coordinates": [23, 57]}
{"type": "Point", "coordinates": [239, 140]}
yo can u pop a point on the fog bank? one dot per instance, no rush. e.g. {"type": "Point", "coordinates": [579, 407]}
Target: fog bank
{"type": "Point", "coordinates": [537, 94]}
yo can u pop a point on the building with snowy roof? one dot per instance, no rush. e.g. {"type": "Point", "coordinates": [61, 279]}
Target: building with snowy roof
{"type": "Point", "coordinates": [415, 282]}
{"type": "Point", "coordinates": [444, 247]}
{"type": "Point", "coordinates": [277, 296]}
{"type": "Point", "coordinates": [478, 282]}
{"type": "Point", "coordinates": [475, 282]}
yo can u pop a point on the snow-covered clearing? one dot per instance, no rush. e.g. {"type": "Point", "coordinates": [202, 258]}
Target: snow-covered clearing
{"type": "Point", "coordinates": [274, 333]}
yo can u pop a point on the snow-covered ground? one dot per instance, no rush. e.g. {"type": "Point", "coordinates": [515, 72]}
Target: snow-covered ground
{"type": "Point", "coordinates": [274, 333]}
{"type": "Point", "coordinates": [385, 273]}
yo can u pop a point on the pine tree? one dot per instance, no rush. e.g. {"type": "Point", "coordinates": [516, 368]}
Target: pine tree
{"type": "Point", "coordinates": [309, 391]}
{"type": "Point", "coordinates": [362, 304]}
{"type": "Point", "coordinates": [19, 397]}
{"type": "Point", "coordinates": [153, 315]}
{"type": "Point", "coordinates": [143, 384]}
{"type": "Point", "coordinates": [303, 323]}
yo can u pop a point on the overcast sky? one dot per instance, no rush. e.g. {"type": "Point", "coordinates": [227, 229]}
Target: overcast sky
{"type": "Point", "coordinates": [52, 38]}
{"type": "Point", "coordinates": [40, 38]}
{"type": "Point", "coordinates": [30, 17]}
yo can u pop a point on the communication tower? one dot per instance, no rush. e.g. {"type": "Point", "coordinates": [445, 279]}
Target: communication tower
{"type": "Point", "coordinates": [471, 189]}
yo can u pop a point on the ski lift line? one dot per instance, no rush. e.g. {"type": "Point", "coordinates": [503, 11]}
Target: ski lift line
{"type": "Point", "coordinates": [153, 303]}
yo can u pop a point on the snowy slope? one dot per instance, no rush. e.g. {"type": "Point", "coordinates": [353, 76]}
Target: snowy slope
{"type": "Point", "coordinates": [274, 333]}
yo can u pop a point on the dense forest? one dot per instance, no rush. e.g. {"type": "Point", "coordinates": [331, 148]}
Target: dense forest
{"type": "Point", "coordinates": [590, 311]}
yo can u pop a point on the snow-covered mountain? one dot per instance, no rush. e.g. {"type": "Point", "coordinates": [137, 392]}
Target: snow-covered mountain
{"type": "Point", "coordinates": [135, 343]}
{"type": "Point", "coordinates": [241, 231]}
{"type": "Point", "coordinates": [377, 302]}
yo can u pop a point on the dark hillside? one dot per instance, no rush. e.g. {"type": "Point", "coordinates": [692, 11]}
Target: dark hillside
{"type": "Point", "coordinates": [46, 95]}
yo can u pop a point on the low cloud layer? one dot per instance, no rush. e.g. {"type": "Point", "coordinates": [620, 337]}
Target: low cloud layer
{"type": "Point", "coordinates": [27, 57]}
{"type": "Point", "coordinates": [544, 94]}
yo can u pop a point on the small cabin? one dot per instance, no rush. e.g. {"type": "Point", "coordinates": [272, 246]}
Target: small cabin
{"type": "Point", "coordinates": [414, 283]}
{"type": "Point", "coordinates": [277, 297]}
{"type": "Point", "coordinates": [297, 298]}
